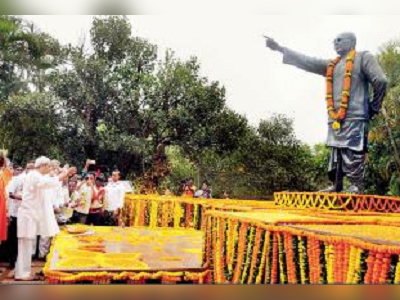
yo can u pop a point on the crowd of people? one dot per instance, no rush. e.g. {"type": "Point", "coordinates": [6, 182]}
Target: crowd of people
{"type": "Point", "coordinates": [36, 199]}
{"type": "Point", "coordinates": [188, 189]}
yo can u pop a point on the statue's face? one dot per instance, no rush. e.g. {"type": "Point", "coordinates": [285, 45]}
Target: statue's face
{"type": "Point", "coordinates": [344, 43]}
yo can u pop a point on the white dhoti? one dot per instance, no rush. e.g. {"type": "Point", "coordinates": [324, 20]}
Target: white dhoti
{"type": "Point", "coordinates": [34, 246]}
{"type": "Point", "coordinates": [24, 261]}
{"type": "Point", "coordinates": [44, 246]}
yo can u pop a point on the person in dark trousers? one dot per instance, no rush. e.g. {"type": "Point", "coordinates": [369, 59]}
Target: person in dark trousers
{"type": "Point", "coordinates": [14, 189]}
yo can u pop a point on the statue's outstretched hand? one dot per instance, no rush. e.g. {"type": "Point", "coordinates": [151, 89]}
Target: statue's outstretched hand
{"type": "Point", "coordinates": [273, 45]}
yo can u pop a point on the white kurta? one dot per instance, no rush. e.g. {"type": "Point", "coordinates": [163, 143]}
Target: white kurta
{"type": "Point", "coordinates": [48, 226]}
{"type": "Point", "coordinates": [54, 195]}
{"type": "Point", "coordinates": [36, 214]}
{"type": "Point", "coordinates": [115, 195]}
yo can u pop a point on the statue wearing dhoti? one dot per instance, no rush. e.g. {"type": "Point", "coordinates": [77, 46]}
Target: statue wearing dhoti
{"type": "Point", "coordinates": [350, 107]}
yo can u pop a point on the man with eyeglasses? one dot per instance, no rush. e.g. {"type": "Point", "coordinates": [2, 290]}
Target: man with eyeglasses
{"type": "Point", "coordinates": [349, 110]}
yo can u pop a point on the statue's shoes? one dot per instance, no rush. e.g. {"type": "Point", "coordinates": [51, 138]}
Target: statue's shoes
{"type": "Point", "coordinates": [354, 190]}
{"type": "Point", "coordinates": [330, 189]}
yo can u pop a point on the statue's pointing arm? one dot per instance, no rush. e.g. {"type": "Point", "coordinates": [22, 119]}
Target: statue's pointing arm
{"type": "Point", "coordinates": [290, 57]}
{"type": "Point", "coordinates": [377, 79]}
{"type": "Point", "coordinates": [304, 62]}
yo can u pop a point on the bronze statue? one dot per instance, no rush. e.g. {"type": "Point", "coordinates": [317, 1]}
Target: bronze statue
{"type": "Point", "coordinates": [350, 108]}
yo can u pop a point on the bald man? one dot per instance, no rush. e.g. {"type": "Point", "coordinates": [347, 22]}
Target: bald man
{"type": "Point", "coordinates": [348, 137]}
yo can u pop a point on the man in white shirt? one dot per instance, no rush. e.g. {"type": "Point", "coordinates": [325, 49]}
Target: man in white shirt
{"type": "Point", "coordinates": [14, 197]}
{"type": "Point", "coordinates": [113, 200]}
{"type": "Point", "coordinates": [34, 214]}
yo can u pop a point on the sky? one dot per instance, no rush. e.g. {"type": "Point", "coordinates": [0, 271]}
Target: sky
{"type": "Point", "coordinates": [231, 50]}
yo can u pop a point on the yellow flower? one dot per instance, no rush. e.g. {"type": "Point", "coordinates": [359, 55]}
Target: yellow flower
{"type": "Point", "coordinates": [336, 126]}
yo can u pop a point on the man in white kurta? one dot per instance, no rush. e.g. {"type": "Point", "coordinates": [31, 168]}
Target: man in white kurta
{"type": "Point", "coordinates": [34, 214]}
{"type": "Point", "coordinates": [51, 201]}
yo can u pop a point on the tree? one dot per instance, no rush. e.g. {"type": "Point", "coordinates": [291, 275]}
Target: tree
{"type": "Point", "coordinates": [12, 52]}
{"type": "Point", "coordinates": [266, 159]}
{"type": "Point", "coordinates": [25, 55]}
{"type": "Point", "coordinates": [383, 171]}
{"type": "Point", "coordinates": [321, 157]}
{"type": "Point", "coordinates": [120, 98]}
{"type": "Point", "coordinates": [30, 126]}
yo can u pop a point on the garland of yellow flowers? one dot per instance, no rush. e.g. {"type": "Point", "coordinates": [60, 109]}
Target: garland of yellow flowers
{"type": "Point", "coordinates": [177, 214]}
{"type": "Point", "coordinates": [282, 261]}
{"type": "Point", "coordinates": [153, 214]}
{"type": "Point", "coordinates": [302, 259]}
{"type": "Point", "coordinates": [195, 216]}
{"type": "Point", "coordinates": [397, 274]}
{"type": "Point", "coordinates": [250, 246]}
{"type": "Point", "coordinates": [256, 251]}
{"type": "Point", "coordinates": [263, 258]}
{"type": "Point", "coordinates": [341, 114]}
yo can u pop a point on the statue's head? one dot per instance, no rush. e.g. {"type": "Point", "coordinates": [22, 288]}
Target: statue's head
{"type": "Point", "coordinates": [344, 43]}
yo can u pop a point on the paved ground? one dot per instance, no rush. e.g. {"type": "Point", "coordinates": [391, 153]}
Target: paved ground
{"type": "Point", "coordinates": [7, 275]}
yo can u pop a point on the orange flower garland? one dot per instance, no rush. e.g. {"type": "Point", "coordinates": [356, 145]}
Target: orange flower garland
{"type": "Point", "coordinates": [385, 268]}
{"type": "Point", "coordinates": [275, 252]}
{"type": "Point", "coordinates": [312, 260]}
{"type": "Point", "coordinates": [317, 253]}
{"type": "Point", "coordinates": [255, 254]}
{"type": "Point", "coordinates": [241, 248]}
{"type": "Point", "coordinates": [291, 268]}
{"type": "Point", "coordinates": [345, 265]}
{"type": "Point", "coordinates": [341, 114]}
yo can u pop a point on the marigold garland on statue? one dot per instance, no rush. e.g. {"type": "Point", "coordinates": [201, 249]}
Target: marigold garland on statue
{"type": "Point", "coordinates": [340, 115]}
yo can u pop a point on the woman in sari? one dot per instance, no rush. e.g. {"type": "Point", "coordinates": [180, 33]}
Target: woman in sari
{"type": "Point", "coordinates": [5, 176]}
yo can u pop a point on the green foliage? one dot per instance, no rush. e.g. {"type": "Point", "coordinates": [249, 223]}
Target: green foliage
{"type": "Point", "coordinates": [321, 156]}
{"type": "Point", "coordinates": [181, 168]}
{"type": "Point", "coordinates": [117, 102]}
{"type": "Point", "coordinates": [30, 126]}
{"type": "Point", "coordinates": [267, 159]}
{"type": "Point", "coordinates": [383, 172]}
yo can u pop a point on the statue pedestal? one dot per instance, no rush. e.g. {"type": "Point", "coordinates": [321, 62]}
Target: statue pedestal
{"type": "Point", "coordinates": [339, 202]}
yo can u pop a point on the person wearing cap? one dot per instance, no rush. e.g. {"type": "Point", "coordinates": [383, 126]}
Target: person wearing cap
{"type": "Point", "coordinates": [34, 214]}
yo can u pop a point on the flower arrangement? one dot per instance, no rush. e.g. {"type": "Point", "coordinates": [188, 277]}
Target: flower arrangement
{"type": "Point", "coordinates": [65, 263]}
{"type": "Point", "coordinates": [340, 115]}
{"type": "Point", "coordinates": [287, 255]}
{"type": "Point", "coordinates": [155, 211]}
{"type": "Point", "coordinates": [304, 239]}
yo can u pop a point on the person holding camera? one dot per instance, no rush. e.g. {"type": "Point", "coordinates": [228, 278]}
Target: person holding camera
{"type": "Point", "coordinates": [88, 193]}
